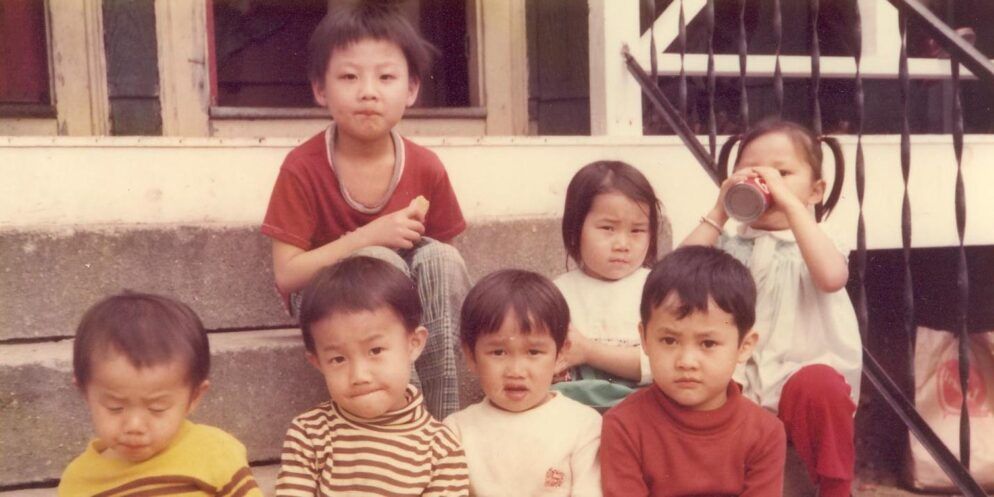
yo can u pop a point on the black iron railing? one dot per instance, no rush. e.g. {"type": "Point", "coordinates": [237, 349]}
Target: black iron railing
{"type": "Point", "coordinates": [960, 52]}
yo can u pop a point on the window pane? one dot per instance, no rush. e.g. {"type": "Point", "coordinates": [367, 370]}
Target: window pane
{"type": "Point", "coordinates": [261, 51]}
{"type": "Point", "coordinates": [23, 43]}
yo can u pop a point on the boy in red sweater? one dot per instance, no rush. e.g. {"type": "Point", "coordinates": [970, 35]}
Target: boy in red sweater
{"type": "Point", "coordinates": [358, 187]}
{"type": "Point", "coordinates": [692, 432]}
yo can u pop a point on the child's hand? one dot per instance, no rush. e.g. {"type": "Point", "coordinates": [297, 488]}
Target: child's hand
{"type": "Point", "coordinates": [718, 213]}
{"type": "Point", "coordinates": [783, 199]}
{"type": "Point", "coordinates": [398, 230]}
{"type": "Point", "coordinates": [575, 353]}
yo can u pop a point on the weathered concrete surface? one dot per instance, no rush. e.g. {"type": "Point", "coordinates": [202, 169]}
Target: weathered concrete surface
{"type": "Point", "coordinates": [259, 381]}
{"type": "Point", "coordinates": [50, 278]}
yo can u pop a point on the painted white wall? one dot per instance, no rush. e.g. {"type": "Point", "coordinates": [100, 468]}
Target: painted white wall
{"type": "Point", "coordinates": [68, 183]}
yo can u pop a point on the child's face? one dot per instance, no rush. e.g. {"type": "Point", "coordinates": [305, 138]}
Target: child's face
{"type": "Point", "coordinates": [366, 359]}
{"type": "Point", "coordinates": [137, 412]}
{"type": "Point", "coordinates": [615, 236]}
{"type": "Point", "coordinates": [692, 359]}
{"type": "Point", "coordinates": [777, 150]}
{"type": "Point", "coordinates": [515, 368]}
{"type": "Point", "coordinates": [366, 88]}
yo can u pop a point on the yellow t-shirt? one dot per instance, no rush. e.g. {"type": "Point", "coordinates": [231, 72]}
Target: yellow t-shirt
{"type": "Point", "coordinates": [201, 461]}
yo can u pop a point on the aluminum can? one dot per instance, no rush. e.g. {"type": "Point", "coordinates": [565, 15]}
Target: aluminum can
{"type": "Point", "coordinates": [748, 199]}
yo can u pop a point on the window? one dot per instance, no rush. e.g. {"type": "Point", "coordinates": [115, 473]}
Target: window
{"type": "Point", "coordinates": [260, 51]}
{"type": "Point", "coordinates": [24, 80]}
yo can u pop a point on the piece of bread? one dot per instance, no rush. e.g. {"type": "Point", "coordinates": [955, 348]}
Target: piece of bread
{"type": "Point", "coordinates": [421, 204]}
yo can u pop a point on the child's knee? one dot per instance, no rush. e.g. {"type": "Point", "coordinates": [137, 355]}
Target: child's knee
{"type": "Point", "coordinates": [385, 254]}
{"type": "Point", "coordinates": [818, 383]}
{"type": "Point", "coordinates": [440, 255]}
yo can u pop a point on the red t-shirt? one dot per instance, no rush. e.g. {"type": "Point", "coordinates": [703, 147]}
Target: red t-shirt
{"type": "Point", "coordinates": [651, 445]}
{"type": "Point", "coordinates": [307, 208]}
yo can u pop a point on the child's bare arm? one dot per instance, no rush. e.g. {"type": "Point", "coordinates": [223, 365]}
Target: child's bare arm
{"type": "Point", "coordinates": [706, 233]}
{"type": "Point", "coordinates": [624, 362]}
{"type": "Point", "coordinates": [294, 267]}
{"type": "Point", "coordinates": [827, 266]}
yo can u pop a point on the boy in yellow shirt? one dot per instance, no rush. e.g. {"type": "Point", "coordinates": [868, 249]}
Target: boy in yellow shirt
{"type": "Point", "coordinates": [141, 363]}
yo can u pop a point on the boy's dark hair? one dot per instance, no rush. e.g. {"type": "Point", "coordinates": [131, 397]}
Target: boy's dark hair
{"type": "Point", "coordinates": [352, 21]}
{"type": "Point", "coordinates": [536, 303]}
{"type": "Point", "coordinates": [147, 329]}
{"type": "Point", "coordinates": [606, 177]}
{"type": "Point", "coordinates": [355, 284]}
{"type": "Point", "coordinates": [697, 274]}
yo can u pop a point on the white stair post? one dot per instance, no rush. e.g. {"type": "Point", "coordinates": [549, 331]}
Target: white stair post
{"type": "Point", "coordinates": [615, 96]}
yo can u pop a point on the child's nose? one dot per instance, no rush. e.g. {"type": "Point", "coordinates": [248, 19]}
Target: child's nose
{"type": "Point", "coordinates": [686, 359]}
{"type": "Point", "coordinates": [134, 422]}
{"type": "Point", "coordinates": [367, 88]}
{"type": "Point", "coordinates": [621, 241]}
{"type": "Point", "coordinates": [515, 367]}
{"type": "Point", "coordinates": [359, 372]}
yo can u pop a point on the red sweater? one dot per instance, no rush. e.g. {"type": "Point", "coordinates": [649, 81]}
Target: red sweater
{"type": "Point", "coordinates": [652, 446]}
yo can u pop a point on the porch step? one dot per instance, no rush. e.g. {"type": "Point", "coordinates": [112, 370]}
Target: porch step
{"type": "Point", "coordinates": [865, 486]}
{"type": "Point", "coordinates": [259, 378]}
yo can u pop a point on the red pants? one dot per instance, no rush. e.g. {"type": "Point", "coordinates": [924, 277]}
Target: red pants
{"type": "Point", "coordinates": [818, 415]}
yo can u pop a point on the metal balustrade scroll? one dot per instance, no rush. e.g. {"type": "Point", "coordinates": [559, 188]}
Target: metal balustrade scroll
{"type": "Point", "coordinates": [682, 42]}
{"type": "Point", "coordinates": [778, 42]}
{"type": "Point", "coordinates": [962, 274]}
{"type": "Point", "coordinates": [743, 60]}
{"type": "Point", "coordinates": [815, 69]}
{"type": "Point", "coordinates": [877, 376]}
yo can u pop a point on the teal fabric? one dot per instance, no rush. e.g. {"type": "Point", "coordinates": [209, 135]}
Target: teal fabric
{"type": "Point", "coordinates": [596, 388]}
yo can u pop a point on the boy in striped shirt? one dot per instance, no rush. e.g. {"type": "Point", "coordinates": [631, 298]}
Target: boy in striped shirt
{"type": "Point", "coordinates": [141, 362]}
{"type": "Point", "coordinates": [360, 321]}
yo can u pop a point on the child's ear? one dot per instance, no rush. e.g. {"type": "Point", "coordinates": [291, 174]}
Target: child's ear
{"type": "Point", "coordinates": [642, 334]}
{"type": "Point", "coordinates": [467, 354]}
{"type": "Point", "coordinates": [317, 87]}
{"type": "Point", "coordinates": [417, 340]}
{"type": "Point", "coordinates": [746, 345]}
{"type": "Point", "coordinates": [413, 87]}
{"type": "Point", "coordinates": [817, 192]}
{"type": "Point", "coordinates": [312, 359]}
{"type": "Point", "coordinates": [196, 394]}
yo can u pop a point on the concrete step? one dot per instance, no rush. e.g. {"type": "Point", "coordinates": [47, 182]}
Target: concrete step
{"type": "Point", "coordinates": [223, 272]}
{"type": "Point", "coordinates": [259, 382]}
{"type": "Point", "coordinates": [265, 475]}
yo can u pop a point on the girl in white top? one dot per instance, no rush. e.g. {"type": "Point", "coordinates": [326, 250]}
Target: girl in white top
{"type": "Point", "coordinates": [807, 363]}
{"type": "Point", "coordinates": [609, 227]}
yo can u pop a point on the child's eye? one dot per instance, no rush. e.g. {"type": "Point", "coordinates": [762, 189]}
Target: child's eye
{"type": "Point", "coordinates": [535, 351]}
{"type": "Point", "coordinates": [497, 352]}
{"type": "Point", "coordinates": [707, 344]}
{"type": "Point", "coordinates": [115, 409]}
{"type": "Point", "coordinates": [668, 340]}
{"type": "Point", "coordinates": [784, 172]}
{"type": "Point", "coordinates": [639, 230]}
{"type": "Point", "coordinates": [158, 409]}
{"type": "Point", "coordinates": [337, 359]}
{"type": "Point", "coordinates": [347, 76]}
{"type": "Point", "coordinates": [376, 350]}
{"type": "Point", "coordinates": [607, 228]}
{"type": "Point", "coordinates": [388, 77]}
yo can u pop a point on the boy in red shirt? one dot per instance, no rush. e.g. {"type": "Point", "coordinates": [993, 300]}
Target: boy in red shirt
{"type": "Point", "coordinates": [692, 432]}
{"type": "Point", "coordinates": [359, 187]}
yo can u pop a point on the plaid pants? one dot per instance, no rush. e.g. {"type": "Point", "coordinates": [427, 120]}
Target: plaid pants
{"type": "Point", "coordinates": [440, 274]}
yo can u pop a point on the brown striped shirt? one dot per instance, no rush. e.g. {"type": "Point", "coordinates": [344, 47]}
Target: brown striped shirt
{"type": "Point", "coordinates": [328, 451]}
